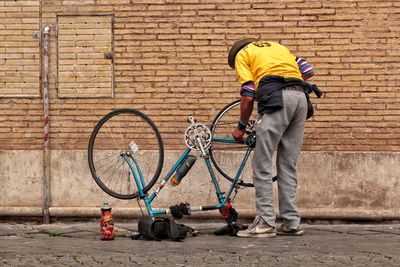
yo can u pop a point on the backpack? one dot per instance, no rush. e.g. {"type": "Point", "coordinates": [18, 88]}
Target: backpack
{"type": "Point", "coordinates": [161, 228]}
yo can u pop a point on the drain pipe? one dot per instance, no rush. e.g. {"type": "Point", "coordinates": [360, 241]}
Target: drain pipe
{"type": "Point", "coordinates": [46, 151]}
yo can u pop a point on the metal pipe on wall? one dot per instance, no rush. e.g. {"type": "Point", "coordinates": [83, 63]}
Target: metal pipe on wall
{"type": "Point", "coordinates": [46, 150]}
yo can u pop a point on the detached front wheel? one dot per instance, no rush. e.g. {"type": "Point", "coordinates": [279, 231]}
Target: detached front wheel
{"type": "Point", "coordinates": [125, 131]}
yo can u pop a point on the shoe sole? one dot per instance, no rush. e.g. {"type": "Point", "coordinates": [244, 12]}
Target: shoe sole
{"type": "Point", "coordinates": [299, 233]}
{"type": "Point", "coordinates": [257, 235]}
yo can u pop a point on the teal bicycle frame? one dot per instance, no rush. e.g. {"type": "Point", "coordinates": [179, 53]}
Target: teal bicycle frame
{"type": "Point", "coordinates": [222, 199]}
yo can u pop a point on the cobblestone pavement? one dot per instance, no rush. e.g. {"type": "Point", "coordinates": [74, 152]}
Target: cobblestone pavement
{"type": "Point", "coordinates": [78, 244]}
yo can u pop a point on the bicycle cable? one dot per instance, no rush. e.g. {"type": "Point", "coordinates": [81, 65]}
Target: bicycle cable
{"type": "Point", "coordinates": [236, 191]}
{"type": "Point", "coordinates": [140, 206]}
{"type": "Point", "coordinates": [237, 188]}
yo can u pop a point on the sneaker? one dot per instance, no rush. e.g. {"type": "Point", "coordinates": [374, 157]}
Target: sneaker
{"type": "Point", "coordinates": [259, 228]}
{"type": "Point", "coordinates": [282, 230]}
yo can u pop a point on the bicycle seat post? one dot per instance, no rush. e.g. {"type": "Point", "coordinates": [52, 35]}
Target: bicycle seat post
{"type": "Point", "coordinates": [191, 120]}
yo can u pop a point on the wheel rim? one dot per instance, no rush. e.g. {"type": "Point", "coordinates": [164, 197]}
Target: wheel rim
{"type": "Point", "coordinates": [112, 137]}
{"type": "Point", "coordinates": [227, 157]}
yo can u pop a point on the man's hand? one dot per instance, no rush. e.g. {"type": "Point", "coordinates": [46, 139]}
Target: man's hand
{"type": "Point", "coordinates": [238, 134]}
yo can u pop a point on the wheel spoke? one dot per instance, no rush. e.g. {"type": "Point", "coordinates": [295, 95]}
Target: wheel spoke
{"type": "Point", "coordinates": [227, 157]}
{"type": "Point", "coordinates": [110, 138]}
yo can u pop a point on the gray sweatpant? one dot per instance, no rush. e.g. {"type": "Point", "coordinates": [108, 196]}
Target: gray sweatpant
{"type": "Point", "coordinates": [280, 131]}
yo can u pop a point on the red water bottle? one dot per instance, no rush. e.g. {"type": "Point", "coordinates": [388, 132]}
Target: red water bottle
{"type": "Point", "coordinates": [106, 222]}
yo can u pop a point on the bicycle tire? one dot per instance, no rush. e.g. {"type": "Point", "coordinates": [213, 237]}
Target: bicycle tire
{"type": "Point", "coordinates": [111, 136]}
{"type": "Point", "coordinates": [225, 121]}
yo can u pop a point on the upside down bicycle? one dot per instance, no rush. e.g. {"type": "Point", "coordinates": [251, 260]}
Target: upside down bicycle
{"type": "Point", "coordinates": [126, 155]}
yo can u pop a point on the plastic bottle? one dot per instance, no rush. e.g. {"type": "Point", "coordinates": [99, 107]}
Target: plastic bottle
{"type": "Point", "coordinates": [106, 222]}
{"type": "Point", "coordinates": [183, 170]}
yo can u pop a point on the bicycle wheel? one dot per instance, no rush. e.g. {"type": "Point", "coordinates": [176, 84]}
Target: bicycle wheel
{"type": "Point", "coordinates": [114, 134]}
{"type": "Point", "coordinates": [227, 157]}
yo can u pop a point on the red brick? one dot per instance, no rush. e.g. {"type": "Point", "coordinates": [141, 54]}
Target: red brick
{"type": "Point", "coordinates": [170, 61]}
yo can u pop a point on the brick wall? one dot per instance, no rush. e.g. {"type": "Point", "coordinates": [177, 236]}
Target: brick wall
{"type": "Point", "coordinates": [83, 69]}
{"type": "Point", "coordinates": [20, 107]}
{"type": "Point", "coordinates": [170, 61]}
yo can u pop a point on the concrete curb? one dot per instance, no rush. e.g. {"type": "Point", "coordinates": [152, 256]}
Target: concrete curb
{"type": "Point", "coordinates": [319, 213]}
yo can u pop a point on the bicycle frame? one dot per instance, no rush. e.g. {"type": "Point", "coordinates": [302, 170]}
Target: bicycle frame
{"type": "Point", "coordinates": [222, 199]}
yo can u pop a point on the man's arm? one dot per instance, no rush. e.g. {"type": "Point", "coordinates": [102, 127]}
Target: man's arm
{"type": "Point", "coordinates": [246, 108]}
{"type": "Point", "coordinates": [306, 69]}
{"type": "Point", "coordinates": [247, 92]}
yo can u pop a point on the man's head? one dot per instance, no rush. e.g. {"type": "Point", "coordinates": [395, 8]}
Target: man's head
{"type": "Point", "coordinates": [236, 47]}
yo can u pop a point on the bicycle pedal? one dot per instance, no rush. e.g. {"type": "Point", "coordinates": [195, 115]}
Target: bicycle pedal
{"type": "Point", "coordinates": [195, 233]}
{"type": "Point", "coordinates": [224, 230]}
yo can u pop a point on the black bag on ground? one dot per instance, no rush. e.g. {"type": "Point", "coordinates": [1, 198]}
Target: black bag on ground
{"type": "Point", "coordinates": [161, 228]}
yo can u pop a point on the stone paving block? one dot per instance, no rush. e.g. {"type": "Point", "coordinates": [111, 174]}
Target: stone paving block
{"type": "Point", "coordinates": [12, 229]}
{"type": "Point", "coordinates": [80, 245]}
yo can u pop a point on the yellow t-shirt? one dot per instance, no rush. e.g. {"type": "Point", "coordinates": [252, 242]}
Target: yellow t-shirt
{"type": "Point", "coordinates": [259, 59]}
